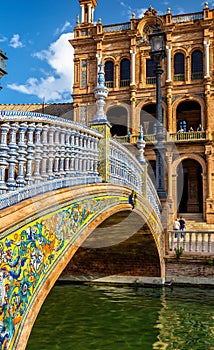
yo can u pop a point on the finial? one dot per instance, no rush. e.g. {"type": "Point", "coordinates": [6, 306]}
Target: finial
{"type": "Point", "coordinates": [133, 15]}
{"type": "Point", "coordinates": [169, 10]}
{"type": "Point", "coordinates": [77, 19]}
{"type": "Point", "coordinates": [206, 5]}
{"type": "Point", "coordinates": [99, 20]}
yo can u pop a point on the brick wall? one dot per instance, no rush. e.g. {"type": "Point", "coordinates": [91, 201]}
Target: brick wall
{"type": "Point", "coordinates": [137, 256]}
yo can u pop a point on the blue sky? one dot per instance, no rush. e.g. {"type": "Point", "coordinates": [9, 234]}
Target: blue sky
{"type": "Point", "coordinates": [35, 34]}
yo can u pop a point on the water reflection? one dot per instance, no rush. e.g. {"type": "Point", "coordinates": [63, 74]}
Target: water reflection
{"type": "Point", "coordinates": [84, 317]}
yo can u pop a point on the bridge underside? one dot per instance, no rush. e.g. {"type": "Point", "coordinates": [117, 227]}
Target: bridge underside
{"type": "Point", "coordinates": [40, 236]}
{"type": "Point", "coordinates": [117, 247]}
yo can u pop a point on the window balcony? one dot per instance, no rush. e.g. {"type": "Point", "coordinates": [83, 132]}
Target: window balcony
{"type": "Point", "coordinates": [109, 84]}
{"type": "Point", "coordinates": [196, 76]}
{"type": "Point", "coordinates": [124, 83]}
{"type": "Point", "coordinates": [188, 136]}
{"type": "Point", "coordinates": [151, 80]}
{"type": "Point", "coordinates": [179, 77]}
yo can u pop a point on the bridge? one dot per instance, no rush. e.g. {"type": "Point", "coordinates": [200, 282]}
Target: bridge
{"type": "Point", "coordinates": [60, 181]}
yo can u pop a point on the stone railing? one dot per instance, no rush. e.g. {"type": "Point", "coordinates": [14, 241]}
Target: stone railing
{"type": "Point", "coordinates": [40, 152]}
{"type": "Point", "coordinates": [192, 241]}
{"type": "Point", "coordinates": [187, 136]}
{"type": "Point", "coordinates": [187, 18]}
{"type": "Point", "coordinates": [153, 198]}
{"type": "Point", "coordinates": [116, 27]}
{"type": "Point", "coordinates": [178, 136]}
{"type": "Point", "coordinates": [124, 167]}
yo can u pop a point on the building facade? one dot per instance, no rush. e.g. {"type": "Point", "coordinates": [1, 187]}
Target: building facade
{"type": "Point", "coordinates": [187, 93]}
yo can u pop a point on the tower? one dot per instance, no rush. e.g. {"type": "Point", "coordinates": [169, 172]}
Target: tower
{"type": "Point", "coordinates": [87, 13]}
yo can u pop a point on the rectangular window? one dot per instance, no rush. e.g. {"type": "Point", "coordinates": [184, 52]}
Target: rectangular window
{"type": "Point", "coordinates": [83, 74]}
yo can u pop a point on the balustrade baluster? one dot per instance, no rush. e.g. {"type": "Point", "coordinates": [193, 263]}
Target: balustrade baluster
{"type": "Point", "coordinates": [202, 242]}
{"type": "Point", "coordinates": [184, 241]}
{"type": "Point", "coordinates": [13, 147]}
{"type": "Point", "coordinates": [57, 154]}
{"type": "Point", "coordinates": [96, 140]}
{"type": "Point", "coordinates": [51, 152]}
{"type": "Point", "coordinates": [196, 241]}
{"type": "Point", "coordinates": [20, 180]}
{"type": "Point", "coordinates": [76, 148]}
{"type": "Point", "coordinates": [81, 153]}
{"type": "Point", "coordinates": [190, 241]}
{"type": "Point", "coordinates": [38, 153]}
{"type": "Point", "coordinates": [91, 155]}
{"type": "Point", "coordinates": [68, 152]}
{"type": "Point", "coordinates": [44, 170]}
{"type": "Point", "coordinates": [84, 165]}
{"type": "Point", "coordinates": [3, 155]}
{"type": "Point", "coordinates": [73, 152]}
{"type": "Point", "coordinates": [30, 153]}
{"type": "Point", "coordinates": [62, 153]}
{"type": "Point", "coordinates": [209, 243]}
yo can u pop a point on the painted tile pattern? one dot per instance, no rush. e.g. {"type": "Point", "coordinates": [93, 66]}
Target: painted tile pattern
{"type": "Point", "coordinates": [28, 254]}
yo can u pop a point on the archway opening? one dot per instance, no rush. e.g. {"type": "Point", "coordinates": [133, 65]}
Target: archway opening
{"type": "Point", "coordinates": [188, 115]}
{"type": "Point", "coordinates": [118, 118]}
{"type": "Point", "coordinates": [190, 195]}
{"type": "Point", "coordinates": [115, 248]}
{"type": "Point", "coordinates": [148, 119]}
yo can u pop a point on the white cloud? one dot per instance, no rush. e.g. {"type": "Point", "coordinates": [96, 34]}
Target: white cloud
{"type": "Point", "coordinates": [3, 39]}
{"type": "Point", "coordinates": [15, 41]}
{"type": "Point", "coordinates": [57, 85]}
{"type": "Point", "coordinates": [65, 26]}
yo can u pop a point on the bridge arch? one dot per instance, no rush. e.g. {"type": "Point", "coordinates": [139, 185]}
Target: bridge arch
{"type": "Point", "coordinates": [44, 245]}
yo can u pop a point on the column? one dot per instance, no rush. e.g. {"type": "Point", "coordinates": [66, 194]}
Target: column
{"type": "Point", "coordinates": [169, 66]}
{"type": "Point", "coordinates": [83, 13]}
{"type": "Point", "coordinates": [207, 59]}
{"type": "Point", "coordinates": [133, 53]}
{"type": "Point", "coordinates": [89, 13]}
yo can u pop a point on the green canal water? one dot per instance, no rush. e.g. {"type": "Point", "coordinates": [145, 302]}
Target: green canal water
{"type": "Point", "coordinates": [89, 317]}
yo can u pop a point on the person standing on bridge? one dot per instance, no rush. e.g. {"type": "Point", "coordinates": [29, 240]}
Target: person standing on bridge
{"type": "Point", "coordinates": [132, 199]}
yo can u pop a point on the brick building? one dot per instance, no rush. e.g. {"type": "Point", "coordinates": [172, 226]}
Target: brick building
{"type": "Point", "coordinates": [187, 93]}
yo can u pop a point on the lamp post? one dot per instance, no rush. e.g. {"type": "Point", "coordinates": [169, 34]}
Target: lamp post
{"type": "Point", "coordinates": [3, 59]}
{"type": "Point", "coordinates": [157, 53]}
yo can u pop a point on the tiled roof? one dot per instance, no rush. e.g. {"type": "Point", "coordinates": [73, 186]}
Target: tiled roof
{"type": "Point", "coordinates": [63, 110]}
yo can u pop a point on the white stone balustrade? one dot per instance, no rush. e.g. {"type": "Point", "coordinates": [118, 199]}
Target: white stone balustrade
{"type": "Point", "coordinates": [124, 167]}
{"type": "Point", "coordinates": [192, 241]}
{"type": "Point", "coordinates": [40, 153]}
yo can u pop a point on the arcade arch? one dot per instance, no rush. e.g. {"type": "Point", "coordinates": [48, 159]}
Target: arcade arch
{"type": "Point", "coordinates": [118, 117]}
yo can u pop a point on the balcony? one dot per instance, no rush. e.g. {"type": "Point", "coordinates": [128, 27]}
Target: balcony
{"type": "Point", "coordinates": [179, 137]}
{"type": "Point", "coordinates": [187, 136]}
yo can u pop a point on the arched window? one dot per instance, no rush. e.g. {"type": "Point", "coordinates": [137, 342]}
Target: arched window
{"type": "Point", "coordinates": [179, 67]}
{"type": "Point", "coordinates": [150, 72]}
{"type": "Point", "coordinates": [109, 74]}
{"type": "Point", "coordinates": [125, 72]}
{"type": "Point", "coordinates": [197, 65]}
